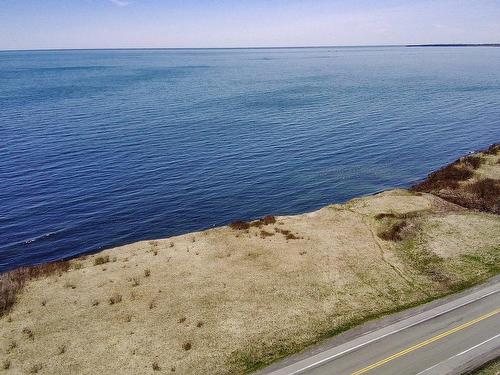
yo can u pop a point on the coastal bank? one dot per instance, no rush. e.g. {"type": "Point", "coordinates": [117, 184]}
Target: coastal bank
{"type": "Point", "coordinates": [232, 299]}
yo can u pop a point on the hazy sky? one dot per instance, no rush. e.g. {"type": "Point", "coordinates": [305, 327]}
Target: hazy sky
{"type": "Point", "coordinates": [32, 24]}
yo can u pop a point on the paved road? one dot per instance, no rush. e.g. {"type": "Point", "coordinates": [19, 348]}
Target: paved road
{"type": "Point", "coordinates": [448, 338]}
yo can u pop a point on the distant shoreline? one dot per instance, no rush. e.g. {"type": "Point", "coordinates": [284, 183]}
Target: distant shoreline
{"type": "Point", "coordinates": [455, 45]}
{"type": "Point", "coordinates": [251, 47]}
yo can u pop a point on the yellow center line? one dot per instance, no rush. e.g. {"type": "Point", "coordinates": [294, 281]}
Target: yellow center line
{"type": "Point", "coordinates": [426, 342]}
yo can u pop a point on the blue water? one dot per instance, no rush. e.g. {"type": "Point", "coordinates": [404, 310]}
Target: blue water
{"type": "Point", "coordinates": [103, 148]}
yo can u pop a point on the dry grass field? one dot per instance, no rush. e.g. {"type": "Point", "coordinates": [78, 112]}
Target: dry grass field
{"type": "Point", "coordinates": [232, 299]}
{"type": "Point", "coordinates": [492, 368]}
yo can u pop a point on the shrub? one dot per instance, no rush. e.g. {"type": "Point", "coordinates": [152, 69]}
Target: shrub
{"type": "Point", "coordinates": [266, 220]}
{"type": "Point", "coordinates": [486, 195]}
{"type": "Point", "coordinates": [493, 149]}
{"type": "Point", "coordinates": [6, 364]}
{"type": "Point", "coordinates": [115, 298]}
{"type": "Point", "coordinates": [186, 346]}
{"type": "Point", "coordinates": [473, 160]}
{"type": "Point", "coordinates": [239, 225]}
{"type": "Point", "coordinates": [101, 260]}
{"type": "Point", "coordinates": [28, 333]}
{"type": "Point", "coordinates": [445, 178]}
{"type": "Point", "coordinates": [156, 366]}
{"type": "Point", "coordinates": [243, 225]}
{"type": "Point", "coordinates": [265, 234]}
{"type": "Point", "coordinates": [383, 215]}
{"type": "Point", "coordinates": [147, 272]}
{"type": "Point", "coordinates": [35, 368]}
{"type": "Point", "coordinates": [393, 231]}
{"type": "Point", "coordinates": [13, 281]}
{"type": "Point", "coordinates": [11, 346]}
{"type": "Point", "coordinates": [486, 189]}
{"type": "Point", "coordinates": [291, 236]}
{"type": "Point", "coordinates": [282, 231]}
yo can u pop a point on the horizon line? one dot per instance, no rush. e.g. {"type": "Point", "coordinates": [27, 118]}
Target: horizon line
{"type": "Point", "coordinates": [254, 47]}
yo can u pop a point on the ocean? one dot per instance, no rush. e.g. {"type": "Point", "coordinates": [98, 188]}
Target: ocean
{"type": "Point", "coordinates": [100, 148]}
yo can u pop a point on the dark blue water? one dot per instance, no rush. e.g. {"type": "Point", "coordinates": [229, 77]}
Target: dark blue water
{"type": "Point", "coordinates": [102, 148]}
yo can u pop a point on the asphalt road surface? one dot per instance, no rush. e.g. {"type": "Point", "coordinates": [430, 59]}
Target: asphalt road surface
{"type": "Point", "coordinates": [455, 336]}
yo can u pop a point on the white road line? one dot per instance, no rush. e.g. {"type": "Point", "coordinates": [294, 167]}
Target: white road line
{"type": "Point", "coordinates": [327, 359]}
{"type": "Point", "coordinates": [459, 354]}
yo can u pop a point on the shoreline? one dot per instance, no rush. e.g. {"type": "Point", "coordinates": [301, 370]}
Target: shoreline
{"type": "Point", "coordinates": [233, 299]}
{"type": "Point", "coordinates": [90, 253]}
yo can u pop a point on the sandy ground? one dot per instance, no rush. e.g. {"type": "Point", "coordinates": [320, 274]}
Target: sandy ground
{"type": "Point", "coordinates": [226, 301]}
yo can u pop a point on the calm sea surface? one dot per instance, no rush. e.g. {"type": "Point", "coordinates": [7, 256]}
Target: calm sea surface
{"type": "Point", "coordinates": [103, 148]}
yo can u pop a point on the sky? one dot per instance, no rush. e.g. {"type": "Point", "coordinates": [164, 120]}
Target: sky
{"type": "Point", "coordinates": [50, 24]}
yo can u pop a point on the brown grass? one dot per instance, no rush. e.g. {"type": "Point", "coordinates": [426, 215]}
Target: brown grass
{"type": "Point", "coordinates": [264, 234]}
{"type": "Point", "coordinates": [6, 364]}
{"type": "Point", "coordinates": [12, 282]}
{"type": "Point", "coordinates": [239, 225]}
{"type": "Point", "coordinates": [482, 195]}
{"type": "Point", "coordinates": [242, 225]}
{"type": "Point", "coordinates": [488, 189]}
{"type": "Point", "coordinates": [384, 215]}
{"type": "Point", "coordinates": [267, 220]}
{"type": "Point", "coordinates": [29, 333]}
{"type": "Point", "coordinates": [115, 298]}
{"type": "Point", "coordinates": [282, 231]}
{"type": "Point", "coordinates": [287, 233]}
{"type": "Point", "coordinates": [487, 194]}
{"type": "Point", "coordinates": [473, 161]}
{"type": "Point", "coordinates": [101, 260]}
{"type": "Point", "coordinates": [291, 236]}
{"type": "Point", "coordinates": [445, 178]}
{"type": "Point", "coordinates": [310, 290]}
{"type": "Point", "coordinates": [494, 149]}
{"type": "Point", "coordinates": [35, 368]}
{"type": "Point", "coordinates": [393, 231]}
{"type": "Point", "coordinates": [470, 182]}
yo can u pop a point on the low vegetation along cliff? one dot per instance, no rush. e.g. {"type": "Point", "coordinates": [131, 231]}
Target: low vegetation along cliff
{"type": "Point", "coordinates": [232, 299]}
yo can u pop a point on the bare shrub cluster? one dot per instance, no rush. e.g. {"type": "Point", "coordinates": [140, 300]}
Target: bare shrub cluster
{"type": "Point", "coordinates": [445, 178]}
{"type": "Point", "coordinates": [242, 225]}
{"type": "Point", "coordinates": [101, 260]}
{"type": "Point", "coordinates": [392, 232]}
{"type": "Point", "coordinates": [12, 282]}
